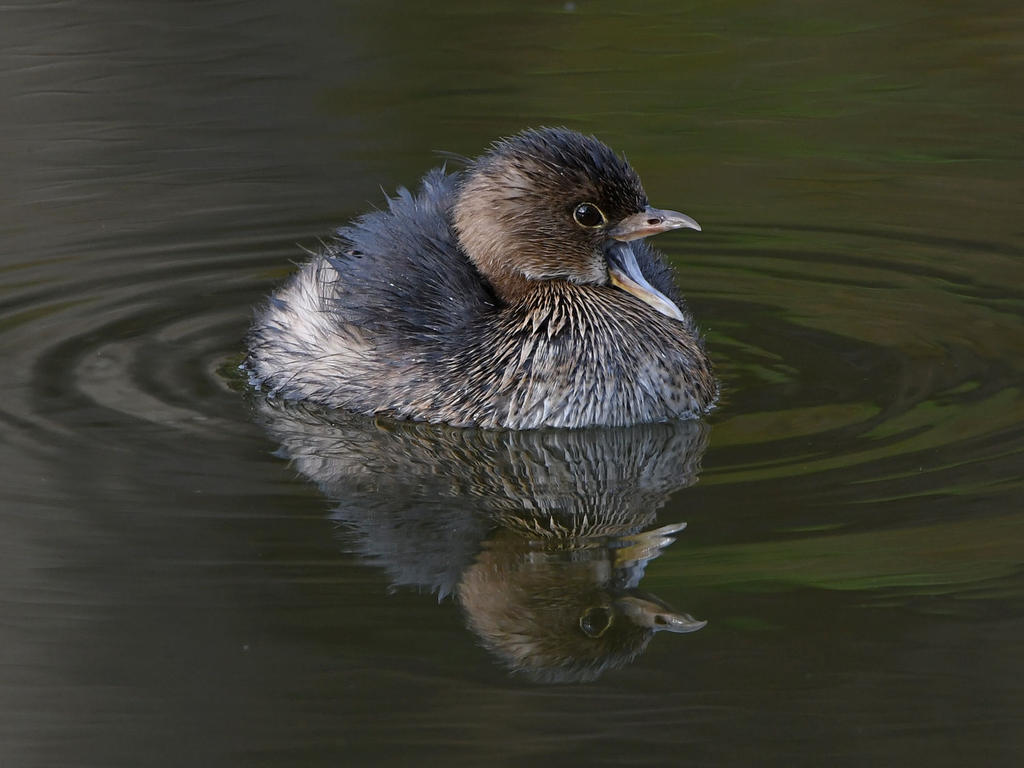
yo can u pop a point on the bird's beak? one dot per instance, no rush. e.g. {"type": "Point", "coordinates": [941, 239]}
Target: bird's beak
{"type": "Point", "coordinates": [651, 221]}
{"type": "Point", "coordinates": [656, 615]}
{"type": "Point", "coordinates": [624, 273]}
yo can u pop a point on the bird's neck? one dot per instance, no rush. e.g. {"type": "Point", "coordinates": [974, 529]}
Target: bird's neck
{"type": "Point", "coordinates": [515, 289]}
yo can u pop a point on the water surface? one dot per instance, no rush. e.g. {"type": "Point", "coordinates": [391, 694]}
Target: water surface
{"type": "Point", "coordinates": [190, 578]}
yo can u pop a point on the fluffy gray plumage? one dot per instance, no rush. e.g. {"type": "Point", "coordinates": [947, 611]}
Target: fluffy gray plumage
{"type": "Point", "coordinates": [480, 301]}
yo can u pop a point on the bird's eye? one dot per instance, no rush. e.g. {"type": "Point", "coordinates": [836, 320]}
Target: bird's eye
{"type": "Point", "coordinates": [595, 622]}
{"type": "Point", "coordinates": [588, 215]}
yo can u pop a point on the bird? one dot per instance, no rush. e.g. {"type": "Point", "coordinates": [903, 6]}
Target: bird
{"type": "Point", "coordinates": [515, 293]}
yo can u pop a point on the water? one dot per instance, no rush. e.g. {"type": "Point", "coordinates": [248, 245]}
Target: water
{"type": "Point", "coordinates": [177, 591]}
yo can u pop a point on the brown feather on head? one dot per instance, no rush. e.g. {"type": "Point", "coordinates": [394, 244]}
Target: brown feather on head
{"type": "Point", "coordinates": [540, 205]}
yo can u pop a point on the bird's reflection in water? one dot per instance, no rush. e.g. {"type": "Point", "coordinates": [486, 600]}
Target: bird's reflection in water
{"type": "Point", "coordinates": [542, 536]}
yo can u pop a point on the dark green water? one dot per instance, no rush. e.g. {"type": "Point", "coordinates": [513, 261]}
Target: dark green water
{"type": "Point", "coordinates": [177, 592]}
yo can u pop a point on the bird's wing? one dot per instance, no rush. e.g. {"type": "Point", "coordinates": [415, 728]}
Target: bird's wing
{"type": "Point", "coordinates": [402, 272]}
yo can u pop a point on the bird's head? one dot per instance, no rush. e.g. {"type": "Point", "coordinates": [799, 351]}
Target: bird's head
{"type": "Point", "coordinates": [553, 204]}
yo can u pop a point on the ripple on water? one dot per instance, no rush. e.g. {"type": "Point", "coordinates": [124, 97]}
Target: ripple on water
{"type": "Point", "coordinates": [128, 333]}
{"type": "Point", "coordinates": [836, 348]}
{"type": "Point", "coordinates": [864, 348]}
